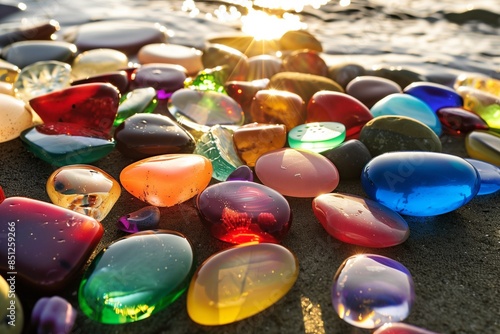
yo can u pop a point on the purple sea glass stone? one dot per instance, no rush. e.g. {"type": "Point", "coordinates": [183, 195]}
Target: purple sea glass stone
{"type": "Point", "coordinates": [53, 315]}
{"type": "Point", "coordinates": [242, 211]}
{"type": "Point", "coordinates": [370, 290]}
{"type": "Point", "coordinates": [242, 173]}
{"type": "Point", "coordinates": [435, 95]}
{"type": "Point", "coordinates": [143, 219]}
{"type": "Point", "coordinates": [165, 78]}
{"type": "Point", "coordinates": [459, 121]}
{"type": "Point", "coordinates": [489, 175]}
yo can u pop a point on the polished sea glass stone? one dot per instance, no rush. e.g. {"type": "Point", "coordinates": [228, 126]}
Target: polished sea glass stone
{"type": "Point", "coordinates": [236, 62]}
{"type": "Point", "coordinates": [484, 104]}
{"type": "Point", "coordinates": [140, 100]}
{"type": "Point", "coordinates": [303, 84]}
{"type": "Point", "coordinates": [317, 136]}
{"type": "Point", "coordinates": [278, 107]}
{"type": "Point", "coordinates": [56, 145]}
{"type": "Point", "coordinates": [299, 40]}
{"type": "Point", "coordinates": [436, 96]}
{"type": "Point", "coordinates": [406, 105]}
{"type": "Point", "coordinates": [345, 72]}
{"type": "Point", "coordinates": [200, 110]}
{"type": "Point", "coordinates": [164, 78]}
{"type": "Point", "coordinates": [119, 79]}
{"type": "Point", "coordinates": [400, 75]}
{"type": "Point", "coordinates": [239, 282]}
{"type": "Point", "coordinates": [38, 32]}
{"type": "Point", "coordinates": [254, 139]}
{"type": "Point", "coordinates": [85, 189]}
{"type": "Point", "coordinates": [25, 53]}
{"type": "Point", "coordinates": [489, 175]}
{"type": "Point", "coordinates": [297, 173]}
{"type": "Point", "coordinates": [263, 67]}
{"type": "Point", "coordinates": [242, 173]}
{"type": "Point", "coordinates": [2, 195]}
{"type": "Point", "coordinates": [41, 78]}
{"type": "Point", "coordinates": [240, 211]}
{"type": "Point", "coordinates": [52, 243]}
{"type": "Point", "coordinates": [10, 312]}
{"type": "Point", "coordinates": [136, 276]}
{"type": "Point", "coordinates": [477, 81]}
{"type": "Point", "coordinates": [420, 183]}
{"type": "Point", "coordinates": [371, 89]}
{"type": "Point", "coordinates": [145, 135]}
{"type": "Point", "coordinates": [305, 61]}
{"type": "Point", "coordinates": [92, 105]}
{"type": "Point", "coordinates": [350, 158]}
{"type": "Point", "coordinates": [167, 180]}
{"type": "Point", "coordinates": [217, 146]}
{"type": "Point", "coordinates": [459, 121]}
{"type": "Point", "coordinates": [187, 57]}
{"type": "Point", "coordinates": [243, 92]}
{"type": "Point", "coordinates": [370, 290]}
{"type": "Point", "coordinates": [401, 328]}
{"type": "Point", "coordinates": [146, 218]}
{"type": "Point", "coordinates": [16, 117]}
{"type": "Point", "coordinates": [126, 36]}
{"type": "Point", "coordinates": [360, 221]}
{"type": "Point", "coordinates": [484, 145]}
{"type": "Point", "coordinates": [53, 315]}
{"type": "Point", "coordinates": [97, 61]}
{"type": "Point", "coordinates": [330, 106]}
{"type": "Point", "coordinates": [398, 133]}
{"type": "Point", "coordinates": [8, 71]}
{"type": "Point", "coordinates": [211, 79]}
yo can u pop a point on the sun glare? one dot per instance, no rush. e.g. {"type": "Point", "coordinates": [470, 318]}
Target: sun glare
{"type": "Point", "coordinates": [263, 26]}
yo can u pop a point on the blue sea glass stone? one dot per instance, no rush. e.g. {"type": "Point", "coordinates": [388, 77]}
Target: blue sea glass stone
{"type": "Point", "coordinates": [420, 183]}
{"type": "Point", "coordinates": [435, 95]}
{"type": "Point", "coordinates": [489, 175]}
{"type": "Point", "coordinates": [406, 105]}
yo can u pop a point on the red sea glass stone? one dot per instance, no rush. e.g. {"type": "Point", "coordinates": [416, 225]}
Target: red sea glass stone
{"type": "Point", "coordinates": [92, 105]}
{"type": "Point", "coordinates": [459, 121]}
{"type": "Point", "coordinates": [51, 243]}
{"type": "Point", "coordinates": [240, 211]}
{"type": "Point", "coordinates": [330, 106]}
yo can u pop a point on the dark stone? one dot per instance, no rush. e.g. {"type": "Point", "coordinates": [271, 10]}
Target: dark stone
{"type": "Point", "coordinates": [26, 53]}
{"type": "Point", "coordinates": [350, 158]}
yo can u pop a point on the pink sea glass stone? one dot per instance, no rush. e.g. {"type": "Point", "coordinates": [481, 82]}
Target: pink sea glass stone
{"type": "Point", "coordinates": [297, 173]}
{"type": "Point", "coordinates": [401, 328]}
{"type": "Point", "coordinates": [360, 221]}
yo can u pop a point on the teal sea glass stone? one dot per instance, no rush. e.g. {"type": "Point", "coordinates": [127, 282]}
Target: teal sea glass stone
{"type": "Point", "coordinates": [317, 136]}
{"type": "Point", "coordinates": [420, 183]}
{"type": "Point", "coordinates": [140, 100]}
{"type": "Point", "coordinates": [136, 276]}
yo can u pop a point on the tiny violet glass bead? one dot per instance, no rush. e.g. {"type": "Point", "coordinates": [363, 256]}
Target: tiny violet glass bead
{"type": "Point", "coordinates": [242, 173]}
{"type": "Point", "coordinates": [146, 218]}
{"type": "Point", "coordinates": [53, 315]}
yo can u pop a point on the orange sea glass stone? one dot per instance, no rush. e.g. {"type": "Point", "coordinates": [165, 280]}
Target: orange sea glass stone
{"type": "Point", "coordinates": [167, 180]}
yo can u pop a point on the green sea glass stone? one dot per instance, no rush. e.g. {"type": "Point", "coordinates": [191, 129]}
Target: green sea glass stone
{"type": "Point", "coordinates": [140, 100]}
{"type": "Point", "coordinates": [211, 79]}
{"type": "Point", "coordinates": [136, 276]}
{"type": "Point", "coordinates": [317, 136]}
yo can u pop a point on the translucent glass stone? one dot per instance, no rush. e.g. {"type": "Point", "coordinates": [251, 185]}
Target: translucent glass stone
{"type": "Point", "coordinates": [140, 100]}
{"type": "Point", "coordinates": [317, 136]}
{"type": "Point", "coordinates": [98, 61]}
{"type": "Point", "coordinates": [209, 80]}
{"type": "Point", "coordinates": [53, 315]}
{"type": "Point", "coordinates": [41, 78]}
{"type": "Point", "coordinates": [401, 328]}
{"type": "Point", "coordinates": [477, 81]}
{"type": "Point", "coordinates": [436, 96]}
{"type": "Point", "coordinates": [146, 218]}
{"type": "Point", "coordinates": [242, 173]}
{"type": "Point", "coordinates": [370, 290]}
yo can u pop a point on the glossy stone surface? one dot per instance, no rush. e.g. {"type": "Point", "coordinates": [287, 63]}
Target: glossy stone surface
{"type": "Point", "coordinates": [281, 107]}
{"type": "Point", "coordinates": [296, 173]}
{"type": "Point", "coordinates": [211, 79]}
{"type": "Point", "coordinates": [401, 328]}
{"type": "Point", "coordinates": [303, 84]}
{"type": "Point", "coordinates": [484, 104]}
{"type": "Point", "coordinates": [263, 67]}
{"type": "Point", "coordinates": [61, 144]}
{"type": "Point", "coordinates": [201, 110]}
{"type": "Point", "coordinates": [11, 309]}
{"type": "Point", "coordinates": [329, 106]}
{"type": "Point", "coordinates": [187, 57]}
{"type": "Point", "coordinates": [245, 43]}
{"type": "Point", "coordinates": [436, 96]}
{"type": "Point", "coordinates": [119, 79]}
{"type": "Point", "coordinates": [136, 276]}
{"type": "Point", "coordinates": [299, 40]}
{"type": "Point", "coordinates": [360, 221]}
{"type": "Point", "coordinates": [254, 139]}
{"type": "Point", "coordinates": [167, 180]}
{"type": "Point", "coordinates": [398, 133]}
{"type": "Point", "coordinates": [52, 243]}
{"type": "Point", "coordinates": [350, 158]}
{"type": "Point", "coordinates": [482, 82]}
{"type": "Point", "coordinates": [140, 100]}
{"type": "Point", "coordinates": [370, 290]}
{"type": "Point", "coordinates": [409, 106]}
{"type": "Point", "coordinates": [84, 189]}
{"type": "Point", "coordinates": [459, 121]}
{"type": "Point", "coordinates": [33, 31]}
{"type": "Point", "coordinates": [242, 173]}
{"type": "Point", "coordinates": [489, 175]}
{"type": "Point", "coordinates": [126, 36]}
{"type": "Point", "coordinates": [144, 135]}
{"type": "Point", "coordinates": [164, 78]}
{"type": "Point", "coordinates": [146, 218]}
{"type": "Point", "coordinates": [400, 75]}
{"type": "Point", "coordinates": [97, 61]}
{"type": "Point", "coordinates": [41, 78]}
{"type": "Point", "coordinates": [344, 73]}
{"type": "Point", "coordinates": [53, 315]}
{"type": "Point", "coordinates": [236, 62]}
{"type": "Point", "coordinates": [239, 282]}
{"type": "Point", "coordinates": [218, 147]}
{"type": "Point", "coordinates": [25, 53]}
{"type": "Point", "coordinates": [317, 136]}
{"type": "Point", "coordinates": [244, 91]}
{"type": "Point", "coordinates": [484, 145]}
{"type": "Point", "coordinates": [420, 183]}
{"type": "Point", "coordinates": [371, 89]}
{"type": "Point", "coordinates": [16, 117]}
{"type": "Point", "coordinates": [305, 61]}
{"type": "Point", "coordinates": [240, 211]}
{"type": "Point", "coordinates": [92, 105]}
{"type": "Point", "coordinates": [8, 71]}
